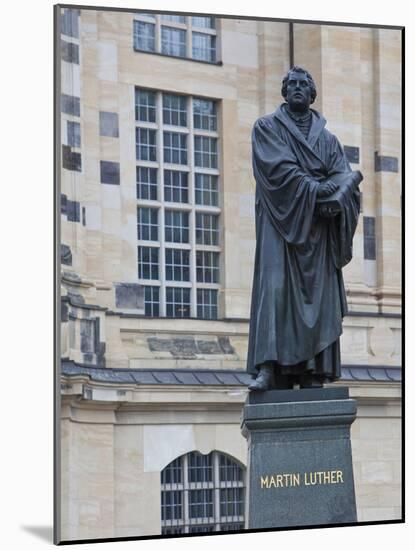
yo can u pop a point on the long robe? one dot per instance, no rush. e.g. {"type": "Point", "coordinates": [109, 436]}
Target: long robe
{"type": "Point", "coordinates": [298, 296]}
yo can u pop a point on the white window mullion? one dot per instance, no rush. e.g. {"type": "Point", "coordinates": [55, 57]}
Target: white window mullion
{"type": "Point", "coordinates": [192, 220]}
{"type": "Point", "coordinates": [189, 51]}
{"type": "Point", "coordinates": [160, 182]}
{"type": "Point", "coordinates": [158, 33]}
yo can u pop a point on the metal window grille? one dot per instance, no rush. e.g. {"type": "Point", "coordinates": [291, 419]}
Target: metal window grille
{"type": "Point", "coordinates": [173, 41]}
{"type": "Point", "coordinates": [152, 301]}
{"type": "Point", "coordinates": [177, 264]}
{"type": "Point", "coordinates": [146, 183]}
{"type": "Point", "coordinates": [177, 302]}
{"type": "Point", "coordinates": [207, 303]}
{"type": "Point", "coordinates": [206, 190]}
{"type": "Point", "coordinates": [148, 262]}
{"type": "Point", "coordinates": [175, 148]}
{"type": "Point", "coordinates": [146, 148]}
{"type": "Point", "coordinates": [176, 186]}
{"type": "Point", "coordinates": [144, 36]}
{"type": "Point", "coordinates": [145, 105]}
{"type": "Point", "coordinates": [147, 224]}
{"type": "Point", "coordinates": [203, 46]}
{"type": "Point", "coordinates": [204, 114]}
{"type": "Point", "coordinates": [174, 110]}
{"type": "Point", "coordinates": [206, 155]}
{"type": "Point", "coordinates": [202, 493]}
{"type": "Point", "coordinates": [207, 229]}
{"type": "Point", "coordinates": [176, 226]}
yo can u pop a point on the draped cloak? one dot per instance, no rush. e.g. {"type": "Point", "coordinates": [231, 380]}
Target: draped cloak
{"type": "Point", "coordinates": [298, 296]}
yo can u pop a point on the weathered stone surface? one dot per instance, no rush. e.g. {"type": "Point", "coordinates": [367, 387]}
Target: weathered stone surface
{"type": "Point", "coordinates": [129, 295]}
{"type": "Point", "coordinates": [66, 255]}
{"type": "Point", "coordinates": [299, 458]}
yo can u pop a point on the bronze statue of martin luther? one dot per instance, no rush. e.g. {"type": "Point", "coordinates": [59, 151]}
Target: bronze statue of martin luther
{"type": "Point", "coordinates": [307, 205]}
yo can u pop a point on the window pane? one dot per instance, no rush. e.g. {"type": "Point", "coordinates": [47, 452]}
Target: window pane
{"type": "Point", "coordinates": [144, 36]}
{"type": "Point", "coordinates": [175, 148]}
{"type": "Point", "coordinates": [177, 264]}
{"type": "Point", "coordinates": [203, 22]}
{"type": "Point", "coordinates": [148, 262]}
{"type": "Point", "coordinates": [206, 155]}
{"type": "Point", "coordinates": [206, 190]}
{"type": "Point", "coordinates": [177, 302]}
{"type": "Point", "coordinates": [207, 229]}
{"type": "Point", "coordinates": [146, 183]}
{"type": "Point", "coordinates": [207, 267]}
{"type": "Point", "coordinates": [204, 114]}
{"type": "Point", "coordinates": [203, 47]}
{"type": "Point", "coordinates": [175, 186]}
{"type": "Point", "coordinates": [146, 148]}
{"type": "Point", "coordinates": [174, 110]}
{"type": "Point", "coordinates": [174, 18]}
{"type": "Point", "coordinates": [147, 224]}
{"type": "Point", "coordinates": [207, 303]}
{"type": "Point", "coordinates": [173, 41]}
{"type": "Point", "coordinates": [201, 503]}
{"type": "Point", "coordinates": [145, 105]}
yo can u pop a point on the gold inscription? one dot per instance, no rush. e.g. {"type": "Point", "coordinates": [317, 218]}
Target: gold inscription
{"type": "Point", "coordinates": [327, 477]}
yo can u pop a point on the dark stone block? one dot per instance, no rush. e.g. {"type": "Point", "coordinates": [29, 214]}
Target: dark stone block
{"type": "Point", "coordinates": [208, 346]}
{"type": "Point", "coordinates": [70, 159]}
{"type": "Point", "coordinates": [385, 164]}
{"type": "Point", "coordinates": [184, 347]}
{"type": "Point", "coordinates": [83, 215]}
{"type": "Point", "coordinates": [73, 211]}
{"type": "Point", "coordinates": [70, 52]}
{"type": "Point", "coordinates": [88, 358]}
{"type": "Point", "coordinates": [110, 172]}
{"type": "Point", "coordinates": [129, 296]}
{"type": "Point", "coordinates": [64, 312]}
{"type": "Point", "coordinates": [159, 344]}
{"type": "Point", "coordinates": [66, 255]}
{"type": "Point", "coordinates": [225, 344]}
{"type": "Point", "coordinates": [108, 124]}
{"type": "Point", "coordinates": [369, 238]}
{"type": "Point", "coordinates": [300, 468]}
{"type": "Point", "coordinates": [352, 154]}
{"type": "Point", "coordinates": [63, 204]}
{"type": "Point", "coordinates": [87, 336]}
{"type": "Point", "coordinates": [70, 105]}
{"type": "Point", "coordinates": [76, 299]}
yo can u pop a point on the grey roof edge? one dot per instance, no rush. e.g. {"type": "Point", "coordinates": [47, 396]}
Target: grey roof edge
{"type": "Point", "coordinates": [203, 377]}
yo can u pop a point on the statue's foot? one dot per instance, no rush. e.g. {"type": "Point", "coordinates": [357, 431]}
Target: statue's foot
{"type": "Point", "coordinates": [264, 380]}
{"type": "Point", "coordinates": [310, 381]}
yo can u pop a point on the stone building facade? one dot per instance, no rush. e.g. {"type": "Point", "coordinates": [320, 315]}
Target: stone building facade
{"type": "Point", "coordinates": [157, 248]}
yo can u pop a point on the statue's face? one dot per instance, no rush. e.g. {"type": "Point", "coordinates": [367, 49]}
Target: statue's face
{"type": "Point", "coordinates": [298, 92]}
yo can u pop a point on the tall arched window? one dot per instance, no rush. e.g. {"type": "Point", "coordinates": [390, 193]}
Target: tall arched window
{"type": "Point", "coordinates": [202, 493]}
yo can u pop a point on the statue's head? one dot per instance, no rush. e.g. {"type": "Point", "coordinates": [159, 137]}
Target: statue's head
{"type": "Point", "coordinates": [298, 89]}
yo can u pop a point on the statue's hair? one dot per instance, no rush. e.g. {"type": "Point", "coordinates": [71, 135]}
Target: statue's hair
{"type": "Point", "coordinates": [309, 78]}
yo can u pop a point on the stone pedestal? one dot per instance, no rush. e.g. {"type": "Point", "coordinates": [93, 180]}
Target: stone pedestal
{"type": "Point", "coordinates": [299, 457]}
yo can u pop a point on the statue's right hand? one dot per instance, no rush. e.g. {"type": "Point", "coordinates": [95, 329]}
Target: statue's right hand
{"type": "Point", "coordinates": [326, 188]}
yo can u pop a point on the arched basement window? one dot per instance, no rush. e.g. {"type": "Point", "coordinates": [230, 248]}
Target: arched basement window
{"type": "Point", "coordinates": [202, 493]}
